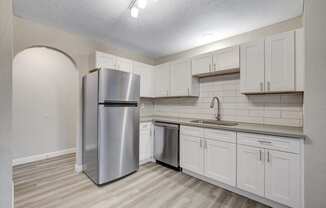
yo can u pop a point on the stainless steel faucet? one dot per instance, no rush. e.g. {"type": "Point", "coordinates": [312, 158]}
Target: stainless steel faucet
{"type": "Point", "coordinates": [218, 115]}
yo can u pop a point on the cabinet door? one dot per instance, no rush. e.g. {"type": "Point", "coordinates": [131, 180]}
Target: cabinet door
{"type": "Point", "coordinates": [145, 142]}
{"type": "Point", "coordinates": [283, 177]}
{"type": "Point", "coordinates": [146, 73]}
{"type": "Point", "coordinates": [220, 161]}
{"type": "Point", "coordinates": [202, 64]}
{"type": "Point", "coordinates": [280, 63]}
{"type": "Point", "coordinates": [124, 64]}
{"type": "Point", "coordinates": [252, 67]}
{"type": "Point", "coordinates": [227, 58]}
{"type": "Point", "coordinates": [300, 59]}
{"type": "Point", "coordinates": [180, 78]}
{"type": "Point", "coordinates": [250, 171]}
{"type": "Point", "coordinates": [104, 60]}
{"type": "Point", "coordinates": [191, 154]}
{"type": "Point", "coordinates": [162, 80]}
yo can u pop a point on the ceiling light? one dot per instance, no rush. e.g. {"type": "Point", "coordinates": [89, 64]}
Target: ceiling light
{"type": "Point", "coordinates": [134, 12]}
{"type": "Point", "coordinates": [142, 3]}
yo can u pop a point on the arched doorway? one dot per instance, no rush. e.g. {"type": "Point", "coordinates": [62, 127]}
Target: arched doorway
{"type": "Point", "coordinates": [45, 103]}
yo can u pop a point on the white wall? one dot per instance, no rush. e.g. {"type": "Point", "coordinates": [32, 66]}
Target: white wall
{"type": "Point", "coordinates": [44, 102]}
{"type": "Point", "coordinates": [315, 104]}
{"type": "Point", "coordinates": [5, 103]}
{"type": "Point", "coordinates": [277, 109]}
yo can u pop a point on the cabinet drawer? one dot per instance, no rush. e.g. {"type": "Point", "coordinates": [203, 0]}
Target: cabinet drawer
{"type": "Point", "coordinates": [192, 131]}
{"type": "Point", "coordinates": [270, 142]}
{"type": "Point", "coordinates": [221, 135]}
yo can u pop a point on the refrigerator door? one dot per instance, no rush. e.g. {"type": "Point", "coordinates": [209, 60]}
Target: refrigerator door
{"type": "Point", "coordinates": [118, 86]}
{"type": "Point", "coordinates": [118, 140]}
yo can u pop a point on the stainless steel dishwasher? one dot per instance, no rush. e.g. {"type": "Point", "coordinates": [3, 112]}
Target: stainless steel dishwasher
{"type": "Point", "coordinates": [166, 143]}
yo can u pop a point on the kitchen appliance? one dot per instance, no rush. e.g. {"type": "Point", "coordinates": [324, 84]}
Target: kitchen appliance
{"type": "Point", "coordinates": [110, 124]}
{"type": "Point", "coordinates": [166, 143]}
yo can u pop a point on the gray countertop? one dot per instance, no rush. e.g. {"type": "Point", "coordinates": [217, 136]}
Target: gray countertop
{"type": "Point", "coordinates": [275, 130]}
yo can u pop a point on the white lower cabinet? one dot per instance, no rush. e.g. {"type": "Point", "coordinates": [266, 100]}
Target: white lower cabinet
{"type": "Point", "coordinates": [282, 175]}
{"type": "Point", "coordinates": [191, 154]}
{"type": "Point", "coordinates": [220, 161]}
{"type": "Point", "coordinates": [250, 171]}
{"type": "Point", "coordinates": [267, 166]}
{"type": "Point", "coordinates": [145, 143]}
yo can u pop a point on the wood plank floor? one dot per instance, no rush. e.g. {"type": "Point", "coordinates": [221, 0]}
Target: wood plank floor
{"type": "Point", "coordinates": [53, 183]}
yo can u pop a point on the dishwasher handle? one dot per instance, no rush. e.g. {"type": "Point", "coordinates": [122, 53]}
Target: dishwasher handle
{"type": "Point", "coordinates": [166, 125]}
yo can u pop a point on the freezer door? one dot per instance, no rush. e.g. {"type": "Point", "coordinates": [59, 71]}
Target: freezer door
{"type": "Point", "coordinates": [118, 141]}
{"type": "Point", "coordinates": [118, 86]}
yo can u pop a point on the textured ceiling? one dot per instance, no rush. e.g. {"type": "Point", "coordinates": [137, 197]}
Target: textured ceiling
{"type": "Point", "coordinates": [165, 26]}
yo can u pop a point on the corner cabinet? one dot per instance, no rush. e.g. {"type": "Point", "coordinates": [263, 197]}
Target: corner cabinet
{"type": "Point", "coordinates": [271, 65]}
{"type": "Point", "coordinates": [146, 73]}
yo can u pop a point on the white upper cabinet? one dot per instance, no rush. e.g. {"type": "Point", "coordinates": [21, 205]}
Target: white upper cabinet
{"type": "Point", "coordinates": [162, 80]}
{"type": "Point", "coordinates": [182, 82]}
{"type": "Point", "coordinates": [124, 64]}
{"type": "Point", "coordinates": [250, 169]}
{"type": "Point", "coordinates": [283, 177]}
{"type": "Point", "coordinates": [280, 71]}
{"type": "Point", "coordinates": [252, 67]}
{"type": "Point", "coordinates": [299, 59]}
{"type": "Point", "coordinates": [202, 64]}
{"type": "Point", "coordinates": [104, 60]}
{"type": "Point", "coordinates": [220, 161]}
{"type": "Point", "coordinates": [227, 58]}
{"type": "Point", "coordinates": [146, 73]}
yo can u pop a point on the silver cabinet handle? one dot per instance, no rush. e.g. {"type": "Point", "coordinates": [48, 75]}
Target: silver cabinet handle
{"type": "Point", "coordinates": [265, 142]}
{"type": "Point", "coordinates": [268, 157]}
{"type": "Point", "coordinates": [261, 87]}
{"type": "Point", "coordinates": [268, 86]}
{"type": "Point", "coordinates": [214, 67]}
{"type": "Point", "coordinates": [205, 144]}
{"type": "Point", "coordinates": [260, 155]}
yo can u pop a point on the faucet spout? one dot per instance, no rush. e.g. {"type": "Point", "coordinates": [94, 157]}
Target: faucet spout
{"type": "Point", "coordinates": [218, 115]}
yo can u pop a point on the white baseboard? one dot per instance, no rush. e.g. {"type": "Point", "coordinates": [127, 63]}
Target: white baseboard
{"type": "Point", "coordinates": [78, 168]}
{"type": "Point", "coordinates": [143, 162]}
{"type": "Point", "coordinates": [24, 160]}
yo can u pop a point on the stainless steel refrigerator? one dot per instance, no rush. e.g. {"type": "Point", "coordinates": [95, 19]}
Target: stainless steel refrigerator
{"type": "Point", "coordinates": [110, 124]}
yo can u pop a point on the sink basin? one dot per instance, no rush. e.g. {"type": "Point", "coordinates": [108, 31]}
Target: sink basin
{"type": "Point", "coordinates": [216, 122]}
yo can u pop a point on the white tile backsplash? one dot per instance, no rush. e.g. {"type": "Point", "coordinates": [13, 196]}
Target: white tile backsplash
{"type": "Point", "coordinates": [278, 109]}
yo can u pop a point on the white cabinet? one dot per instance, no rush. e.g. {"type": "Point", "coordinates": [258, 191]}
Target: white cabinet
{"type": "Point", "coordinates": [220, 161]}
{"type": "Point", "coordinates": [162, 80]}
{"type": "Point", "coordinates": [299, 59]}
{"type": "Point", "coordinates": [227, 58]}
{"type": "Point", "coordinates": [124, 64]}
{"type": "Point", "coordinates": [283, 177]}
{"type": "Point", "coordinates": [279, 71]}
{"type": "Point", "coordinates": [104, 60]}
{"type": "Point", "coordinates": [270, 167]}
{"type": "Point", "coordinates": [202, 64]}
{"type": "Point", "coordinates": [182, 82]}
{"type": "Point", "coordinates": [250, 170]}
{"type": "Point", "coordinates": [273, 65]}
{"type": "Point", "coordinates": [146, 73]}
{"type": "Point", "coordinates": [191, 154]}
{"type": "Point", "coordinates": [252, 67]}
{"type": "Point", "coordinates": [209, 155]}
{"type": "Point", "coordinates": [145, 143]}
{"type": "Point", "coordinates": [217, 62]}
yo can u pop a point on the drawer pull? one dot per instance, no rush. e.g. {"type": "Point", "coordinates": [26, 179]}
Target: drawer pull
{"type": "Point", "coordinates": [260, 155]}
{"type": "Point", "coordinates": [265, 142]}
{"type": "Point", "coordinates": [268, 157]}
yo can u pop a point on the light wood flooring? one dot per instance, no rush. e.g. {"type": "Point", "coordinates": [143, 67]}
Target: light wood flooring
{"type": "Point", "coordinates": [53, 183]}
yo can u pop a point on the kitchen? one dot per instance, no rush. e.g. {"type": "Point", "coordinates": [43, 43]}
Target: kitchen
{"type": "Point", "coordinates": [218, 118]}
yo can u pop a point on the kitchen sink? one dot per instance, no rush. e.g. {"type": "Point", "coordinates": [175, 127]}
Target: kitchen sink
{"type": "Point", "coordinates": [216, 122]}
